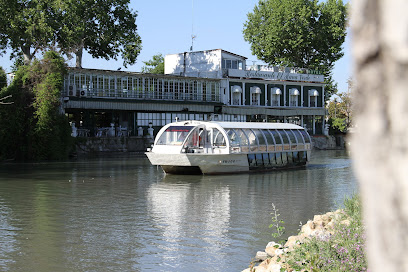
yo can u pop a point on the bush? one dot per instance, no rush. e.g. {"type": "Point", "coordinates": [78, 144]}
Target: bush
{"type": "Point", "coordinates": [32, 128]}
{"type": "Point", "coordinates": [343, 251]}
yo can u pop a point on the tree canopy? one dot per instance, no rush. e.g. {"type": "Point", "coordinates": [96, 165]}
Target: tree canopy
{"type": "Point", "coordinates": [341, 112]}
{"type": "Point", "coordinates": [26, 26]}
{"type": "Point", "coordinates": [155, 65]}
{"type": "Point", "coordinates": [105, 28]}
{"type": "Point", "coordinates": [298, 33]}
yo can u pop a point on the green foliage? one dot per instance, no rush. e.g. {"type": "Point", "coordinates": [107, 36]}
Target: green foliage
{"type": "Point", "coordinates": [340, 113]}
{"type": "Point", "coordinates": [3, 78]}
{"type": "Point", "coordinates": [298, 33]}
{"type": "Point", "coordinates": [155, 65]}
{"type": "Point", "coordinates": [16, 119]}
{"type": "Point", "coordinates": [105, 28]}
{"type": "Point", "coordinates": [26, 25]}
{"type": "Point", "coordinates": [277, 224]}
{"type": "Point", "coordinates": [339, 124]}
{"type": "Point", "coordinates": [32, 128]}
{"type": "Point", "coordinates": [343, 251]}
{"type": "Point", "coordinates": [17, 62]}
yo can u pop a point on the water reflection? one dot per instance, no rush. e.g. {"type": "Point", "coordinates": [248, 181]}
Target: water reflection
{"type": "Point", "coordinates": [124, 214]}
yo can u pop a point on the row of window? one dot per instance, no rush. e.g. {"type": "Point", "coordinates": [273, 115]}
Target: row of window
{"type": "Point", "coordinates": [161, 119]}
{"type": "Point", "coordinates": [77, 84]}
{"type": "Point", "coordinates": [231, 64]}
{"type": "Point", "coordinates": [259, 140]}
{"type": "Point", "coordinates": [276, 95]}
{"type": "Point", "coordinates": [276, 159]}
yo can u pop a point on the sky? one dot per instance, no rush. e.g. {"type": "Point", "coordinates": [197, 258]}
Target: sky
{"type": "Point", "coordinates": [166, 27]}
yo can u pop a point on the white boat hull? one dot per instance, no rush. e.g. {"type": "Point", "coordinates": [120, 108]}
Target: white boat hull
{"type": "Point", "coordinates": [206, 163]}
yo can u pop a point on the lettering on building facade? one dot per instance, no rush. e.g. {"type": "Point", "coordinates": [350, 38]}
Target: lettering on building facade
{"type": "Point", "coordinates": [275, 75]}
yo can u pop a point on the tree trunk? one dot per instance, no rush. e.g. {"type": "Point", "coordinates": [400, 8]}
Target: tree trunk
{"type": "Point", "coordinates": [27, 55]}
{"type": "Point", "coordinates": [380, 146]}
{"type": "Point", "coordinates": [78, 59]}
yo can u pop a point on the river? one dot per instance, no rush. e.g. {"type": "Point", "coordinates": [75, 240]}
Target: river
{"type": "Point", "coordinates": [122, 214]}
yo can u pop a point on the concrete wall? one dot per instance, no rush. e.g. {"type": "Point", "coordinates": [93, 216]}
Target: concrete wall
{"type": "Point", "coordinates": [194, 64]}
{"type": "Point", "coordinates": [328, 142]}
{"type": "Point", "coordinates": [115, 144]}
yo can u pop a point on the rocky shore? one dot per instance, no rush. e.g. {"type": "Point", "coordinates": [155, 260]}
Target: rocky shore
{"type": "Point", "coordinates": [272, 259]}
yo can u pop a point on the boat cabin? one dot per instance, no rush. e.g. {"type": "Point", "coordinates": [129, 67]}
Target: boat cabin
{"type": "Point", "coordinates": [262, 145]}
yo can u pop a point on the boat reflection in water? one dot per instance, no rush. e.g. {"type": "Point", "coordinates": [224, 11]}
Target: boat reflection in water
{"type": "Point", "coordinates": [197, 147]}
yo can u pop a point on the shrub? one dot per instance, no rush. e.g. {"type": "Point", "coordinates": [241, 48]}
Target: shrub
{"type": "Point", "coordinates": [343, 251]}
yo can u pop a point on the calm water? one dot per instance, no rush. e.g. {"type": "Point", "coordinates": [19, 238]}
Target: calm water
{"type": "Point", "coordinates": [126, 215]}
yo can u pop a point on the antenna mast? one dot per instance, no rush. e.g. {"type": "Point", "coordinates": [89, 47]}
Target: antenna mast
{"type": "Point", "coordinates": [192, 25]}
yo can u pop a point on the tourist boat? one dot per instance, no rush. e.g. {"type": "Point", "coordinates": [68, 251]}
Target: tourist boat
{"type": "Point", "coordinates": [199, 147]}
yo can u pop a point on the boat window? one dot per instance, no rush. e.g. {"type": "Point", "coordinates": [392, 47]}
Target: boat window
{"type": "Point", "coordinates": [296, 157]}
{"type": "Point", "coordinates": [305, 136]}
{"type": "Point", "coordinates": [269, 139]}
{"type": "Point", "coordinates": [265, 158]}
{"type": "Point", "coordinates": [279, 158]}
{"type": "Point", "coordinates": [253, 142]}
{"type": "Point", "coordinates": [291, 136]}
{"type": "Point", "coordinates": [261, 139]}
{"type": "Point", "coordinates": [174, 135]}
{"type": "Point", "coordinates": [218, 138]}
{"type": "Point", "coordinates": [285, 139]}
{"type": "Point", "coordinates": [284, 136]}
{"type": "Point", "coordinates": [233, 137]}
{"type": "Point", "coordinates": [193, 140]}
{"type": "Point", "coordinates": [298, 136]}
{"type": "Point", "coordinates": [278, 139]}
{"type": "Point", "coordinates": [284, 158]}
{"type": "Point", "coordinates": [260, 136]}
{"type": "Point", "coordinates": [244, 140]}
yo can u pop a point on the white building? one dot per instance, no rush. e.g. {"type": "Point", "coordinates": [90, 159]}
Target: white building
{"type": "Point", "coordinates": [259, 92]}
{"type": "Point", "coordinates": [202, 85]}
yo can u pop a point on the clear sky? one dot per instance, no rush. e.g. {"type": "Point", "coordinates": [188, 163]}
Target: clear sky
{"type": "Point", "coordinates": [166, 27]}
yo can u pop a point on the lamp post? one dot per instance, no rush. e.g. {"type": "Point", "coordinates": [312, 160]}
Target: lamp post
{"type": "Point", "coordinates": [335, 108]}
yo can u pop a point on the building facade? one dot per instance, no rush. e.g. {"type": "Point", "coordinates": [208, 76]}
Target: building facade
{"type": "Point", "coordinates": [203, 85]}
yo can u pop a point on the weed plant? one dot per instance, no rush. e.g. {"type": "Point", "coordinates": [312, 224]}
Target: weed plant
{"type": "Point", "coordinates": [343, 251]}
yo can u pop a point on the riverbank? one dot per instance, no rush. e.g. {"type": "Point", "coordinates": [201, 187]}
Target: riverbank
{"type": "Point", "coordinates": [101, 146]}
{"type": "Point", "coordinates": [330, 242]}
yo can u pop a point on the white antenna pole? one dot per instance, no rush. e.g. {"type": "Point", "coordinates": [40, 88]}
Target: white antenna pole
{"type": "Point", "coordinates": [192, 25]}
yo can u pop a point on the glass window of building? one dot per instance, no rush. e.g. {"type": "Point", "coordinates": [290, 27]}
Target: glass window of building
{"type": "Point", "coordinates": [255, 96]}
{"type": "Point", "coordinates": [231, 64]}
{"type": "Point", "coordinates": [313, 94]}
{"type": "Point", "coordinates": [293, 97]}
{"type": "Point", "coordinates": [276, 96]}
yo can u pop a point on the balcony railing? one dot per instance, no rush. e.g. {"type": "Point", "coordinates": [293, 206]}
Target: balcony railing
{"type": "Point", "coordinates": [134, 94]}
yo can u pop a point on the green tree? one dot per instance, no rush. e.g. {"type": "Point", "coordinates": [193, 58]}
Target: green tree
{"type": "Point", "coordinates": [299, 33]}
{"type": "Point", "coordinates": [16, 119]}
{"type": "Point", "coordinates": [26, 26]}
{"type": "Point", "coordinates": [155, 65]}
{"type": "Point", "coordinates": [104, 28]}
{"type": "Point", "coordinates": [32, 128]}
{"type": "Point", "coordinates": [3, 78]}
{"type": "Point", "coordinates": [341, 113]}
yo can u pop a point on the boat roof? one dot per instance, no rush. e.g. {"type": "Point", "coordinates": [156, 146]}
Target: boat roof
{"type": "Point", "coordinates": [257, 125]}
{"type": "Point", "coordinates": [237, 125]}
